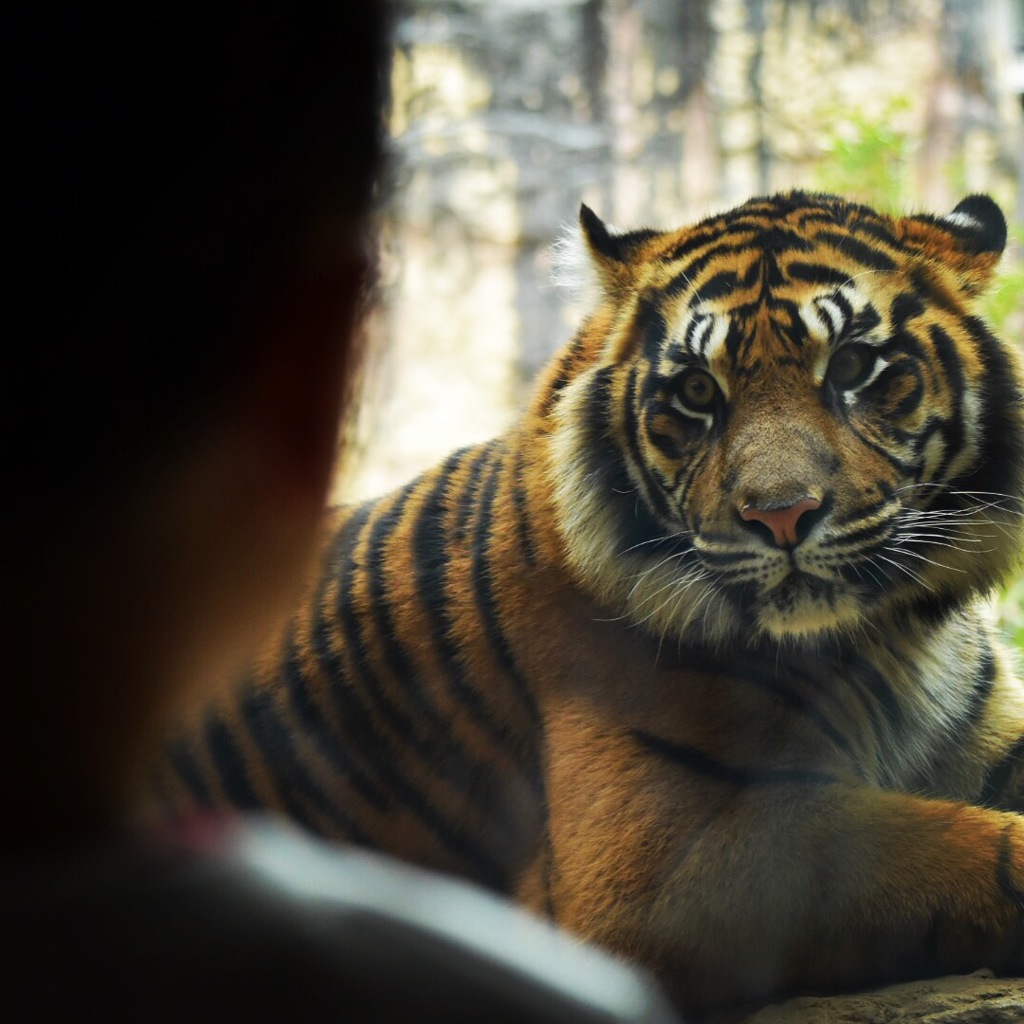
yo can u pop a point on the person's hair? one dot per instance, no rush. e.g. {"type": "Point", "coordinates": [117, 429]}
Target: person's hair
{"type": "Point", "coordinates": [164, 163]}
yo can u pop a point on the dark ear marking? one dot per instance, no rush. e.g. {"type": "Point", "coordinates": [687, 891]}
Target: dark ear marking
{"type": "Point", "coordinates": [615, 247]}
{"type": "Point", "coordinates": [978, 224]}
{"type": "Point", "coordinates": [598, 236]}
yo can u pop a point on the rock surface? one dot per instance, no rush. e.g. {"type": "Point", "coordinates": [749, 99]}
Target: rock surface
{"type": "Point", "coordinates": [979, 998]}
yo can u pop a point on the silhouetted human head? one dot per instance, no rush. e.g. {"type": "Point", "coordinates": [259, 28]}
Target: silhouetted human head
{"type": "Point", "coordinates": [167, 167]}
{"type": "Point", "coordinates": [187, 190]}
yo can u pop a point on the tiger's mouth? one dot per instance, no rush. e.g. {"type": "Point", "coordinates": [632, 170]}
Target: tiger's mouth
{"type": "Point", "coordinates": [799, 590]}
{"type": "Point", "coordinates": [802, 605]}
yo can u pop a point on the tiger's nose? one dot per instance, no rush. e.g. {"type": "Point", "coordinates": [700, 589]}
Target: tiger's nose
{"type": "Point", "coordinates": [782, 522]}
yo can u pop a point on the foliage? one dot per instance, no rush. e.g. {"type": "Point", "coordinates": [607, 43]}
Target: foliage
{"type": "Point", "coordinates": [1010, 611]}
{"type": "Point", "coordinates": [867, 157]}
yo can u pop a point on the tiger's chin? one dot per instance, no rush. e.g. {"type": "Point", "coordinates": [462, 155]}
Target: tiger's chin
{"type": "Point", "coordinates": [803, 606]}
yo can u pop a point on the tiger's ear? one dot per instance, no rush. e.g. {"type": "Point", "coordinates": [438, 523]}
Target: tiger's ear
{"type": "Point", "coordinates": [969, 240]}
{"type": "Point", "coordinates": [611, 252]}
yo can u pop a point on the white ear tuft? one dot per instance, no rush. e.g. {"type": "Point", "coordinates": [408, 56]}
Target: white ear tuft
{"type": "Point", "coordinates": [572, 265]}
{"type": "Point", "coordinates": [962, 220]}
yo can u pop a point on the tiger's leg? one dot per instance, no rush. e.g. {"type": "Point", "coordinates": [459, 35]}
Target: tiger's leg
{"type": "Point", "coordinates": [741, 889]}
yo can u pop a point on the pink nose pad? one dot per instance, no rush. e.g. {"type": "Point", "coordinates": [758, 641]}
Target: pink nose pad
{"type": "Point", "coordinates": [781, 521]}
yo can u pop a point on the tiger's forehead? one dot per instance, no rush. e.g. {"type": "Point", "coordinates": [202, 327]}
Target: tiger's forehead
{"type": "Point", "coordinates": [710, 332]}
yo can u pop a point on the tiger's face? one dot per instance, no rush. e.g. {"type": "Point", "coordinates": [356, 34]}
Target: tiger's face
{"type": "Point", "coordinates": [787, 421]}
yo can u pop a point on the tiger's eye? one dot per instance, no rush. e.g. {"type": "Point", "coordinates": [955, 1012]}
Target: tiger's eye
{"type": "Point", "coordinates": [698, 389]}
{"type": "Point", "coordinates": [850, 365]}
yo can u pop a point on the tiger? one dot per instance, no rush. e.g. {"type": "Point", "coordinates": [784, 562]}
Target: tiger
{"type": "Point", "coordinates": [696, 659]}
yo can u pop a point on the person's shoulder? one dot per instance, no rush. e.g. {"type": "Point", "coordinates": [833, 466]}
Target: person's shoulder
{"type": "Point", "coordinates": [260, 922]}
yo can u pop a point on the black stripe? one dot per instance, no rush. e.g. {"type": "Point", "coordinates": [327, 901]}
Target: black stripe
{"type": "Point", "coordinates": [863, 253]}
{"type": "Point", "coordinates": [651, 327]}
{"type": "Point", "coordinates": [923, 281]}
{"type": "Point", "coordinates": [430, 553]}
{"type": "Point", "coordinates": [909, 403]}
{"type": "Point", "coordinates": [981, 691]}
{"type": "Point", "coordinates": [1001, 467]}
{"type": "Point", "coordinates": [341, 689]}
{"type": "Point", "coordinates": [949, 360]}
{"type": "Point", "coordinates": [652, 487]}
{"type": "Point", "coordinates": [864, 511]}
{"type": "Point", "coordinates": [431, 566]}
{"type": "Point", "coordinates": [183, 764]}
{"type": "Point", "coordinates": [815, 215]}
{"type": "Point", "coordinates": [387, 764]}
{"type": "Point", "coordinates": [865, 321]}
{"type": "Point", "coordinates": [287, 770]}
{"type": "Point", "coordinates": [497, 639]}
{"type": "Point", "coordinates": [597, 410]}
{"type": "Point", "coordinates": [816, 273]}
{"type": "Point", "coordinates": [230, 765]}
{"type": "Point", "coordinates": [697, 761]}
{"type": "Point", "coordinates": [524, 531]}
{"type": "Point", "coordinates": [718, 286]}
{"type": "Point", "coordinates": [398, 719]}
{"type": "Point", "coordinates": [936, 607]}
{"type": "Point", "coordinates": [696, 321]}
{"type": "Point", "coordinates": [931, 949]}
{"type": "Point", "coordinates": [566, 372]}
{"type": "Point", "coordinates": [682, 481]}
{"type": "Point", "coordinates": [467, 499]}
{"type": "Point", "coordinates": [878, 686]}
{"type": "Point", "coordinates": [725, 558]}
{"type": "Point", "coordinates": [696, 239]}
{"type": "Point", "coordinates": [607, 466]}
{"type": "Point", "coordinates": [424, 717]}
{"type": "Point", "coordinates": [396, 658]}
{"type": "Point", "coordinates": [430, 561]}
{"type": "Point", "coordinates": [678, 354]}
{"type": "Point", "coordinates": [739, 341]}
{"type": "Point", "coordinates": [685, 278]}
{"type": "Point", "coordinates": [374, 747]}
{"type": "Point", "coordinates": [780, 240]}
{"type": "Point", "coordinates": [487, 605]}
{"type": "Point", "coordinates": [665, 443]}
{"type": "Point", "coordinates": [902, 346]}
{"type": "Point", "coordinates": [726, 282]}
{"type": "Point", "coordinates": [1000, 774]}
{"type": "Point", "coordinates": [498, 642]}
{"type": "Point", "coordinates": [346, 535]}
{"type": "Point", "coordinates": [906, 306]}
{"type": "Point", "coordinates": [871, 532]}
{"type": "Point", "coordinates": [1007, 886]}
{"type": "Point", "coordinates": [878, 701]}
{"type": "Point", "coordinates": [903, 467]}
{"type": "Point", "coordinates": [876, 229]}
{"type": "Point", "coordinates": [802, 705]}
{"type": "Point", "coordinates": [845, 307]}
{"type": "Point", "coordinates": [386, 759]}
{"type": "Point", "coordinates": [318, 731]}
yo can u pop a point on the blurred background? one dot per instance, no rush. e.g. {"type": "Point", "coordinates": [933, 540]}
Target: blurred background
{"type": "Point", "coordinates": [508, 113]}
